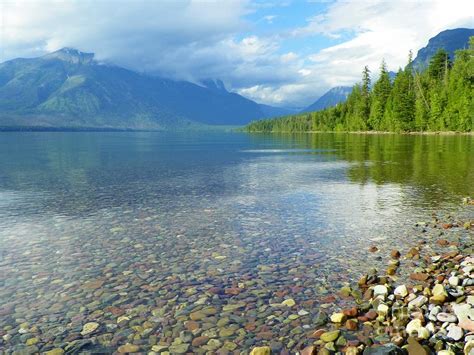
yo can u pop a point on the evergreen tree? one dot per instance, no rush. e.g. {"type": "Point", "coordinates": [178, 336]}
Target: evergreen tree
{"type": "Point", "coordinates": [380, 94]}
{"type": "Point", "coordinates": [365, 95]}
{"type": "Point", "coordinates": [439, 65]}
{"type": "Point", "coordinates": [440, 98]}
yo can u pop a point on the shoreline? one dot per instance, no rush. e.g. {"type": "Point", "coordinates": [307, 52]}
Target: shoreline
{"type": "Point", "coordinates": [422, 307]}
{"type": "Point", "coordinates": [426, 133]}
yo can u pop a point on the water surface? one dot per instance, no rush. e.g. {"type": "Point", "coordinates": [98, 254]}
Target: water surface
{"type": "Point", "coordinates": [163, 228]}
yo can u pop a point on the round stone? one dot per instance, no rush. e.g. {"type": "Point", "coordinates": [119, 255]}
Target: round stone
{"type": "Point", "coordinates": [289, 302]}
{"type": "Point", "coordinates": [446, 317]}
{"type": "Point", "coordinates": [401, 291]}
{"type": "Point", "coordinates": [380, 290]}
{"type": "Point", "coordinates": [455, 332]}
{"type": "Point", "coordinates": [89, 328]}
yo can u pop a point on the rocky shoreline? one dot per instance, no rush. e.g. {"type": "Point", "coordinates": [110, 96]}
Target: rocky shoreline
{"type": "Point", "coordinates": [420, 302]}
{"type": "Point", "coordinates": [428, 311]}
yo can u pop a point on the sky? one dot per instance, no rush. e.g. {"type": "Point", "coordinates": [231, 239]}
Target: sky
{"type": "Point", "coordinates": [282, 53]}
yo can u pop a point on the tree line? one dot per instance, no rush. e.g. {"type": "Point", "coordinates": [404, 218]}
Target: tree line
{"type": "Point", "coordinates": [437, 98]}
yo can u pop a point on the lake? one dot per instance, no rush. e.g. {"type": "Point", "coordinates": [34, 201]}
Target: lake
{"type": "Point", "coordinates": [193, 240]}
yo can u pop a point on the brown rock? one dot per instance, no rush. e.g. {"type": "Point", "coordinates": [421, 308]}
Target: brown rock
{"type": "Point", "coordinates": [442, 242]}
{"type": "Point", "coordinates": [419, 276]}
{"type": "Point", "coordinates": [232, 291]}
{"type": "Point", "coordinates": [351, 324]}
{"type": "Point", "coordinates": [450, 255]}
{"type": "Point", "coordinates": [353, 342]}
{"type": "Point", "coordinates": [191, 325]}
{"type": "Point", "coordinates": [328, 299]}
{"type": "Point", "coordinates": [351, 312]}
{"type": "Point", "coordinates": [415, 348]}
{"type": "Point", "coordinates": [413, 253]}
{"type": "Point", "coordinates": [373, 249]}
{"type": "Point", "coordinates": [115, 310]}
{"type": "Point", "coordinates": [317, 333]}
{"type": "Point", "coordinates": [250, 327]}
{"type": "Point", "coordinates": [281, 294]}
{"type": "Point", "coordinates": [265, 335]}
{"type": "Point", "coordinates": [199, 341]}
{"type": "Point", "coordinates": [371, 315]}
{"type": "Point", "coordinates": [395, 254]}
{"type": "Point", "coordinates": [309, 350]}
{"type": "Point", "coordinates": [308, 303]}
{"type": "Point", "coordinates": [447, 225]}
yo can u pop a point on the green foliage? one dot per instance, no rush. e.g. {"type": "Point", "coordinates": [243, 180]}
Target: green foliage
{"type": "Point", "coordinates": [439, 65]}
{"type": "Point", "coordinates": [441, 98]}
{"type": "Point", "coordinates": [380, 95]}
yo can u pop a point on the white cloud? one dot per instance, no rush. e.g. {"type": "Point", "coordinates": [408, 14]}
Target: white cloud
{"type": "Point", "coordinates": [379, 29]}
{"type": "Point", "coordinates": [139, 34]}
{"type": "Point", "coordinates": [288, 57]}
{"type": "Point", "coordinates": [269, 18]}
{"type": "Point", "coordinates": [305, 72]}
{"type": "Point", "coordinates": [383, 29]}
{"type": "Point", "coordinates": [192, 40]}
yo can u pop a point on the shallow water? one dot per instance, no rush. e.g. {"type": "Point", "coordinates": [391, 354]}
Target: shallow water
{"type": "Point", "coordinates": [154, 227]}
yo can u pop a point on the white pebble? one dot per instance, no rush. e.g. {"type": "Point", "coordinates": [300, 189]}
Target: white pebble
{"type": "Point", "coordinates": [455, 332]}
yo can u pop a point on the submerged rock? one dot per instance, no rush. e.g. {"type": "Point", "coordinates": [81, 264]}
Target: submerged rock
{"type": "Point", "coordinates": [89, 328]}
{"type": "Point", "coordinates": [262, 350]}
{"type": "Point", "coordinates": [387, 349]}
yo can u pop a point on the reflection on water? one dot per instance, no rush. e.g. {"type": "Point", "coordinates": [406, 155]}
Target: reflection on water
{"type": "Point", "coordinates": [164, 228]}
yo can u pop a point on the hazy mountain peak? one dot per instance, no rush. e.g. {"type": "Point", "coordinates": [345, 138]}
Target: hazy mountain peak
{"type": "Point", "coordinates": [331, 98]}
{"type": "Point", "coordinates": [71, 55]}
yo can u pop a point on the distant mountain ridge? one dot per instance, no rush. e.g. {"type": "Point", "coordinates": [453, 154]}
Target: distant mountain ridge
{"type": "Point", "coordinates": [331, 98]}
{"type": "Point", "coordinates": [68, 88]}
{"type": "Point", "coordinates": [449, 40]}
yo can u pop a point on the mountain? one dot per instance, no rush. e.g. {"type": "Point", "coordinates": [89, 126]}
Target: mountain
{"type": "Point", "coordinates": [272, 111]}
{"type": "Point", "coordinates": [331, 98]}
{"type": "Point", "coordinates": [214, 84]}
{"type": "Point", "coordinates": [450, 40]}
{"type": "Point", "coordinates": [69, 89]}
{"type": "Point", "coordinates": [267, 110]}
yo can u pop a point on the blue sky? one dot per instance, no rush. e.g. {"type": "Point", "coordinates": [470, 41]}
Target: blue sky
{"type": "Point", "coordinates": [283, 53]}
{"type": "Point", "coordinates": [280, 18]}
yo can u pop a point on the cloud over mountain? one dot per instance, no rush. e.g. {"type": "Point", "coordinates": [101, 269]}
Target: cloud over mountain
{"type": "Point", "coordinates": [258, 48]}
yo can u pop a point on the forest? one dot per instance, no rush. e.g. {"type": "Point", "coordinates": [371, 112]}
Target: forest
{"type": "Point", "coordinates": [437, 98]}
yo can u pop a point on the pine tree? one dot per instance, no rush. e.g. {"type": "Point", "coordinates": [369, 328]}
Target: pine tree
{"type": "Point", "coordinates": [365, 95]}
{"type": "Point", "coordinates": [439, 65]}
{"type": "Point", "coordinates": [380, 94]}
{"type": "Point", "coordinates": [440, 98]}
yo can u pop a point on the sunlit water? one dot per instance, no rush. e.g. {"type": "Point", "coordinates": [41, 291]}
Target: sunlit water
{"type": "Point", "coordinates": [154, 226]}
